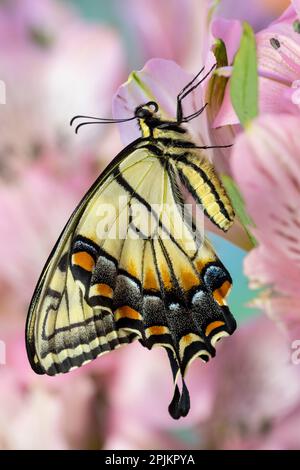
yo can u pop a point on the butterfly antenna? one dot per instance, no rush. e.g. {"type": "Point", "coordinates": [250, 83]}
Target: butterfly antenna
{"type": "Point", "coordinates": [97, 120]}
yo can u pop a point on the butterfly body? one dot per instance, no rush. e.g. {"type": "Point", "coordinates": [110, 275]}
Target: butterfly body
{"type": "Point", "coordinates": [130, 264]}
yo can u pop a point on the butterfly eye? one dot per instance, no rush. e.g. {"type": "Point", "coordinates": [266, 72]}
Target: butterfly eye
{"type": "Point", "coordinates": [153, 106]}
{"type": "Point", "coordinates": [146, 110]}
{"type": "Point", "coordinates": [142, 112]}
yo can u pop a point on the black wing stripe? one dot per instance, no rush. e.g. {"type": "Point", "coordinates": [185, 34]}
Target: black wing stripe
{"type": "Point", "coordinates": [206, 180]}
{"type": "Point", "coordinates": [122, 181]}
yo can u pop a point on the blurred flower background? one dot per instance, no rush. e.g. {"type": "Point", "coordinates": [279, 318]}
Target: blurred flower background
{"type": "Point", "coordinates": [61, 58]}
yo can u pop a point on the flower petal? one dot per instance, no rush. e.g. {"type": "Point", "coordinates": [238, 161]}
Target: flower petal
{"type": "Point", "coordinates": [160, 80]}
{"type": "Point", "coordinates": [226, 115]}
{"type": "Point", "coordinates": [230, 31]}
{"type": "Point", "coordinates": [266, 165]}
{"type": "Point", "coordinates": [176, 29]}
{"type": "Point", "coordinates": [296, 5]}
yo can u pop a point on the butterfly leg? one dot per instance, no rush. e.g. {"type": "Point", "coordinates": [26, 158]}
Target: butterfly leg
{"type": "Point", "coordinates": [187, 90]}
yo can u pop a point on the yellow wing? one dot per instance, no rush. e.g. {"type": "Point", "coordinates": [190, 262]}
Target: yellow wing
{"type": "Point", "coordinates": [130, 264]}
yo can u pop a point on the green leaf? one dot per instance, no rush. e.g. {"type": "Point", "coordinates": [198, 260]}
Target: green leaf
{"type": "Point", "coordinates": [238, 205]}
{"type": "Point", "coordinates": [244, 79]}
{"type": "Point", "coordinates": [220, 53]}
{"type": "Point", "coordinates": [296, 26]}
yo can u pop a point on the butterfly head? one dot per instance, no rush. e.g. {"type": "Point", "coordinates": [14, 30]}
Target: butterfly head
{"type": "Point", "coordinates": [151, 123]}
{"type": "Point", "coordinates": [147, 116]}
{"type": "Point", "coordinates": [146, 111]}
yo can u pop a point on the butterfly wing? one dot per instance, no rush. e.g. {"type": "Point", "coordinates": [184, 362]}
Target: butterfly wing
{"type": "Point", "coordinates": [184, 285]}
{"type": "Point", "coordinates": [131, 265]}
{"type": "Point", "coordinates": [66, 326]}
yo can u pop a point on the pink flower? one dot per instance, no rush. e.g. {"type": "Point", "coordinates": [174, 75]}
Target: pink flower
{"type": "Point", "coordinates": [39, 411]}
{"type": "Point", "coordinates": [160, 80]}
{"type": "Point", "coordinates": [176, 29]}
{"type": "Point", "coordinates": [256, 392]}
{"type": "Point", "coordinates": [257, 12]}
{"type": "Point", "coordinates": [33, 214]}
{"type": "Point", "coordinates": [41, 416]}
{"type": "Point", "coordinates": [266, 165]}
{"type": "Point", "coordinates": [47, 166]}
{"type": "Point", "coordinates": [278, 52]}
{"type": "Point", "coordinates": [32, 23]}
{"type": "Point", "coordinates": [45, 49]}
{"type": "Point", "coordinates": [179, 29]}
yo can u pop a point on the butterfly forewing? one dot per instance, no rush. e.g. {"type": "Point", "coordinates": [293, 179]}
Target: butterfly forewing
{"type": "Point", "coordinates": [61, 324]}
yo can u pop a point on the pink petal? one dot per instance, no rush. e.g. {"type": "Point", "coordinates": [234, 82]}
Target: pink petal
{"type": "Point", "coordinates": [264, 269]}
{"type": "Point", "coordinates": [226, 115]}
{"type": "Point", "coordinates": [284, 310]}
{"type": "Point", "coordinates": [289, 15]}
{"type": "Point", "coordinates": [254, 372]}
{"type": "Point", "coordinates": [278, 69]}
{"type": "Point", "coordinates": [283, 62]}
{"type": "Point", "coordinates": [266, 165]}
{"type": "Point", "coordinates": [285, 433]}
{"type": "Point", "coordinates": [176, 29]}
{"type": "Point", "coordinates": [160, 80]}
{"type": "Point", "coordinates": [230, 31]}
{"type": "Point", "coordinates": [26, 224]}
{"type": "Point", "coordinates": [296, 5]}
{"type": "Point", "coordinates": [77, 60]}
{"type": "Point", "coordinates": [258, 13]}
{"type": "Point", "coordinates": [45, 72]}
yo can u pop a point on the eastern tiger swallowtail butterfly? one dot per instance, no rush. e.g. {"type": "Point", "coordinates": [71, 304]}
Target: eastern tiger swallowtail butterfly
{"type": "Point", "coordinates": [101, 289]}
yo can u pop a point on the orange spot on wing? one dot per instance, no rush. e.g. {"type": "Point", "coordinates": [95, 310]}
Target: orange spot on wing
{"type": "Point", "coordinates": [156, 330]}
{"type": "Point", "coordinates": [166, 278]}
{"type": "Point", "coordinates": [187, 339]}
{"type": "Point", "coordinates": [84, 260]}
{"type": "Point", "coordinates": [202, 262]}
{"type": "Point", "coordinates": [150, 281]}
{"type": "Point", "coordinates": [225, 288]}
{"type": "Point", "coordinates": [212, 326]}
{"type": "Point", "coordinates": [105, 290]}
{"type": "Point", "coordinates": [127, 312]}
{"type": "Point", "coordinates": [188, 280]}
{"type": "Point", "coordinates": [131, 268]}
{"type": "Point", "coordinates": [220, 293]}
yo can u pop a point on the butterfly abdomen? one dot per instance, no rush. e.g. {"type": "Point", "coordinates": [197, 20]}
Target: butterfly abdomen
{"type": "Point", "coordinates": [198, 176]}
{"type": "Point", "coordinates": [192, 166]}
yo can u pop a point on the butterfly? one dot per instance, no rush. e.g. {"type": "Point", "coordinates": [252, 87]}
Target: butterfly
{"type": "Point", "coordinates": [131, 263]}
